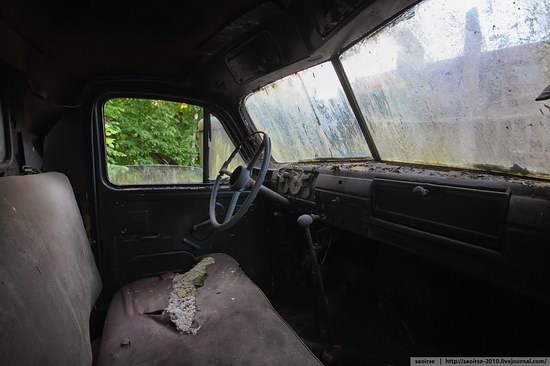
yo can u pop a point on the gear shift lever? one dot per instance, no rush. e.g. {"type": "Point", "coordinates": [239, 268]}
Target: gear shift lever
{"type": "Point", "coordinates": [305, 221]}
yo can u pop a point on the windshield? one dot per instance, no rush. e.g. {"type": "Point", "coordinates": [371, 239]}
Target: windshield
{"type": "Point", "coordinates": [447, 83]}
{"type": "Point", "coordinates": [454, 83]}
{"type": "Point", "coordinates": [308, 117]}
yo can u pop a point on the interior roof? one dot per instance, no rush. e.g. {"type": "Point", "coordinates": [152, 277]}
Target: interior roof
{"type": "Point", "coordinates": [79, 41]}
{"type": "Point", "coordinates": [95, 37]}
{"type": "Point", "coordinates": [60, 46]}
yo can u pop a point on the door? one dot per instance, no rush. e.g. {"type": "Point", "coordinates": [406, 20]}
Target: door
{"type": "Point", "coordinates": [155, 160]}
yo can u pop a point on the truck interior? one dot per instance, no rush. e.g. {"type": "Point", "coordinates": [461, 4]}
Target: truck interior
{"type": "Point", "coordinates": [280, 182]}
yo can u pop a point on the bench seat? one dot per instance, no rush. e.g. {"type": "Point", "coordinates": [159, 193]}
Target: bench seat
{"type": "Point", "coordinates": [238, 326]}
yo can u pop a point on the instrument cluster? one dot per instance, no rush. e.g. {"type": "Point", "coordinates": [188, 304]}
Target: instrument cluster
{"type": "Point", "coordinates": [296, 182]}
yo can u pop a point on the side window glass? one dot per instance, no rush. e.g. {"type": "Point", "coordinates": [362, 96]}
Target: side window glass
{"type": "Point", "coordinates": [221, 148]}
{"type": "Point", "coordinates": [152, 142]}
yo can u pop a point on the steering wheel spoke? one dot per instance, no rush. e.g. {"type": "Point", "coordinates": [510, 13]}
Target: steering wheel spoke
{"type": "Point", "coordinates": [239, 182]}
{"type": "Point", "coordinates": [232, 206]}
{"type": "Point", "coordinates": [256, 156]}
{"type": "Point", "coordinates": [225, 171]}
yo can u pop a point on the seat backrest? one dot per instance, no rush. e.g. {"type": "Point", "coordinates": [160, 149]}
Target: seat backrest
{"type": "Point", "coordinates": [48, 277]}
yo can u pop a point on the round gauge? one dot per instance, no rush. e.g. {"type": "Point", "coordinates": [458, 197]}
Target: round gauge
{"type": "Point", "coordinates": [306, 192]}
{"type": "Point", "coordinates": [286, 186]}
{"type": "Point", "coordinates": [281, 186]}
{"type": "Point", "coordinates": [295, 185]}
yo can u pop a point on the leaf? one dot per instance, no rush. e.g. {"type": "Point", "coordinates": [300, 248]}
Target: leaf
{"type": "Point", "coordinates": [135, 127]}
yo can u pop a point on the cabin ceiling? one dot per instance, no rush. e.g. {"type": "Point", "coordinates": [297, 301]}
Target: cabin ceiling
{"type": "Point", "coordinates": [60, 45]}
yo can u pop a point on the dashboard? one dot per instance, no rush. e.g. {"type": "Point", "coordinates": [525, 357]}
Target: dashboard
{"type": "Point", "coordinates": [490, 226]}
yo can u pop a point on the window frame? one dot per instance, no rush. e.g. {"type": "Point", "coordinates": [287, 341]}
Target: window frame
{"type": "Point", "coordinates": [100, 147]}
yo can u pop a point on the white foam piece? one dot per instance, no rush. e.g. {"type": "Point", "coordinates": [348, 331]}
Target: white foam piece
{"type": "Point", "coordinates": [182, 305]}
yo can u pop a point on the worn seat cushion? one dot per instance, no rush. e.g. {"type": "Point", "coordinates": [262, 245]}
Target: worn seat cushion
{"type": "Point", "coordinates": [238, 325]}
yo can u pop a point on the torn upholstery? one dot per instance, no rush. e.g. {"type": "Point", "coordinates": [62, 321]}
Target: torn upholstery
{"type": "Point", "coordinates": [238, 325]}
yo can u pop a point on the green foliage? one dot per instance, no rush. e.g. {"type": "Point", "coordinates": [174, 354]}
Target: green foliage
{"type": "Point", "coordinates": [148, 131]}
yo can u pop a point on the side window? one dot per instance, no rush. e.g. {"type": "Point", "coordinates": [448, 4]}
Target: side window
{"type": "Point", "coordinates": [155, 142]}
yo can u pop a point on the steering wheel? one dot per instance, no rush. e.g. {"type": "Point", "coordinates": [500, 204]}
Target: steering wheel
{"type": "Point", "coordinates": [239, 180]}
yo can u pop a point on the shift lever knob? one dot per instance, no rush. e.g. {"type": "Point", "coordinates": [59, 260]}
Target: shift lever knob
{"type": "Point", "coordinates": [305, 220]}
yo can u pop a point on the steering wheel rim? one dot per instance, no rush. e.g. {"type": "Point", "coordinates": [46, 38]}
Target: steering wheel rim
{"type": "Point", "coordinates": [240, 179]}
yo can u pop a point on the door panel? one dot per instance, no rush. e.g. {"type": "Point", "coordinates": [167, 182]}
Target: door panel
{"type": "Point", "coordinates": [150, 232]}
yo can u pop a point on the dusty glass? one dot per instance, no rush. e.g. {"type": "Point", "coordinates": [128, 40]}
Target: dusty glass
{"type": "Point", "coordinates": [308, 117]}
{"type": "Point", "coordinates": [454, 83]}
{"type": "Point", "coordinates": [221, 148]}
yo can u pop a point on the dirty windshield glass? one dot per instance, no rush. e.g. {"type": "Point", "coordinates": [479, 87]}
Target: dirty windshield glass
{"type": "Point", "coordinates": [308, 117]}
{"type": "Point", "coordinates": [454, 83]}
